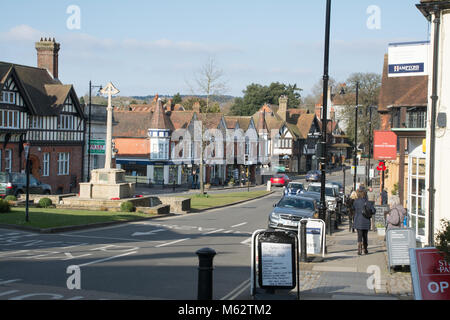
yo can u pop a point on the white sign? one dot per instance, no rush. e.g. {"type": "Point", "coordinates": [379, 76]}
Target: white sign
{"type": "Point", "coordinates": [276, 259]}
{"type": "Point", "coordinates": [408, 59]}
{"type": "Point", "coordinates": [315, 233]}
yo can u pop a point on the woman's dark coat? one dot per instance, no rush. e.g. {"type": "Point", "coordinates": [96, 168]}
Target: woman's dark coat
{"type": "Point", "coordinates": [361, 222]}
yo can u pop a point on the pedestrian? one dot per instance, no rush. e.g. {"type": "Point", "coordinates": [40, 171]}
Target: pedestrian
{"type": "Point", "coordinates": [396, 215]}
{"type": "Point", "coordinates": [362, 223]}
{"type": "Point", "coordinates": [384, 197]}
{"type": "Point", "coordinates": [351, 210]}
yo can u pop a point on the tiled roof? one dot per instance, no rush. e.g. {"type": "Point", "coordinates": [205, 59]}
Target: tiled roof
{"type": "Point", "coordinates": [210, 120]}
{"type": "Point", "coordinates": [402, 91]}
{"type": "Point", "coordinates": [45, 94]}
{"type": "Point", "coordinates": [160, 120]}
{"type": "Point", "coordinates": [131, 124]}
{"type": "Point", "coordinates": [244, 122]}
{"type": "Point", "coordinates": [304, 123]}
{"type": "Point", "coordinates": [181, 119]}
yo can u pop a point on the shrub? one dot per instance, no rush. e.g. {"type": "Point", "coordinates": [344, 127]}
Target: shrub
{"type": "Point", "coordinates": [127, 206]}
{"type": "Point", "coordinates": [4, 206]}
{"type": "Point", "coordinates": [45, 202]}
{"type": "Point", "coordinates": [10, 198]}
{"type": "Point", "coordinates": [443, 240]}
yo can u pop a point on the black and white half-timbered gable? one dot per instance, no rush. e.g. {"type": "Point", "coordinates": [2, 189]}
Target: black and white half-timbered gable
{"type": "Point", "coordinates": [39, 109]}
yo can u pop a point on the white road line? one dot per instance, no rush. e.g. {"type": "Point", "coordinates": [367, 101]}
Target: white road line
{"type": "Point", "coordinates": [106, 259]}
{"type": "Point", "coordinates": [9, 281]}
{"type": "Point", "coordinates": [8, 292]}
{"type": "Point", "coordinates": [214, 231]}
{"type": "Point", "coordinates": [103, 238]}
{"type": "Point", "coordinates": [247, 241]}
{"type": "Point", "coordinates": [147, 233]}
{"type": "Point", "coordinates": [237, 291]}
{"type": "Point", "coordinates": [238, 225]}
{"type": "Point", "coordinates": [169, 243]}
{"type": "Point", "coordinates": [12, 252]}
{"type": "Point", "coordinates": [229, 231]}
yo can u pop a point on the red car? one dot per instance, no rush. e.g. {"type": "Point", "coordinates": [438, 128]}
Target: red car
{"type": "Point", "coordinates": [279, 180]}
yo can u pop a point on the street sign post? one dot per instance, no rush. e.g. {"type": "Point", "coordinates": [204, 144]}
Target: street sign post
{"type": "Point", "coordinates": [430, 274]}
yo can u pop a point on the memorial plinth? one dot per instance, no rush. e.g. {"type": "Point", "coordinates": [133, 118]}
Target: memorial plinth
{"type": "Point", "coordinates": [107, 184]}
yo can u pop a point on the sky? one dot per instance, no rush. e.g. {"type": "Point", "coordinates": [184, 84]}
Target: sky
{"type": "Point", "coordinates": [148, 47]}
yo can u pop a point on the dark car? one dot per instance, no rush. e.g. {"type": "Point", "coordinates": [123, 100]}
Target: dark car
{"type": "Point", "coordinates": [313, 175]}
{"type": "Point", "coordinates": [288, 212]}
{"type": "Point", "coordinates": [280, 180]}
{"type": "Point", "coordinates": [14, 183]}
{"type": "Point", "coordinates": [293, 188]}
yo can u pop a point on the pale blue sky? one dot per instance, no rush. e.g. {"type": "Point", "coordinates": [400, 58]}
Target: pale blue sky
{"type": "Point", "coordinates": [148, 47]}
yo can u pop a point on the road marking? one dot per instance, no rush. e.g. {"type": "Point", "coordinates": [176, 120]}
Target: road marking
{"type": "Point", "coordinates": [247, 241]}
{"type": "Point", "coordinates": [214, 231]}
{"type": "Point", "coordinates": [8, 292]}
{"type": "Point", "coordinates": [107, 259]}
{"type": "Point", "coordinates": [238, 225]}
{"type": "Point", "coordinates": [169, 243]}
{"type": "Point", "coordinates": [236, 292]}
{"type": "Point", "coordinates": [9, 281]}
{"type": "Point", "coordinates": [229, 231]}
{"type": "Point", "coordinates": [136, 234]}
{"type": "Point", "coordinates": [12, 252]}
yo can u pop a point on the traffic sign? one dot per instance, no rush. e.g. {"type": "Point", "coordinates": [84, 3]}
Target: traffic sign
{"type": "Point", "coordinates": [430, 273]}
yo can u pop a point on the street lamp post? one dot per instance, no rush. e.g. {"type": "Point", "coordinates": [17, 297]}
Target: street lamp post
{"type": "Point", "coordinates": [355, 151]}
{"type": "Point", "coordinates": [26, 147]}
{"type": "Point", "coordinates": [89, 130]}
{"type": "Point", "coordinates": [323, 142]}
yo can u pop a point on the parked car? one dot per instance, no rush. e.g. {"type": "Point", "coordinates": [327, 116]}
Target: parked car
{"type": "Point", "coordinates": [14, 183]}
{"type": "Point", "coordinates": [288, 212]}
{"type": "Point", "coordinates": [313, 175]}
{"type": "Point", "coordinates": [331, 195]}
{"type": "Point", "coordinates": [293, 188]}
{"type": "Point", "coordinates": [280, 180]}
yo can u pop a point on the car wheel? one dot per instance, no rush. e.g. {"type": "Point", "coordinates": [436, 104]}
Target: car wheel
{"type": "Point", "coordinates": [19, 193]}
{"type": "Point", "coordinates": [47, 192]}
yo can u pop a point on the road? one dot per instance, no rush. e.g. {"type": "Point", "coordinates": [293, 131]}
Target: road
{"type": "Point", "coordinates": [154, 259]}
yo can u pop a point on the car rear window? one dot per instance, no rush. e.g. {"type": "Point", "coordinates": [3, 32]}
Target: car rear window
{"type": "Point", "coordinates": [4, 177]}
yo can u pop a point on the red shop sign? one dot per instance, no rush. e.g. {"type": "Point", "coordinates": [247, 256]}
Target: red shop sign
{"type": "Point", "coordinates": [430, 274]}
{"type": "Point", "coordinates": [384, 145]}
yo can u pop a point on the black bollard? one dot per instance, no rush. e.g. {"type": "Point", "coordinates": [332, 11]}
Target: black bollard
{"type": "Point", "coordinates": [205, 273]}
{"type": "Point", "coordinates": [303, 253]}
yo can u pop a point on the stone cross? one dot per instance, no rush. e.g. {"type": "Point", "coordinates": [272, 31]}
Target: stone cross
{"type": "Point", "coordinates": [109, 90]}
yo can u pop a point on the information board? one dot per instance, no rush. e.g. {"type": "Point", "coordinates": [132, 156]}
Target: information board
{"type": "Point", "coordinates": [277, 260]}
{"type": "Point", "coordinates": [430, 274]}
{"type": "Point", "coordinates": [379, 215]}
{"type": "Point", "coordinates": [315, 236]}
{"type": "Point", "coordinates": [399, 241]}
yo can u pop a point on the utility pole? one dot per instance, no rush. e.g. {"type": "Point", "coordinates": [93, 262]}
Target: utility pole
{"type": "Point", "coordinates": [356, 137]}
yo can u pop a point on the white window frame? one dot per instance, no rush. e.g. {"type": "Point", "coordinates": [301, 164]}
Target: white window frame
{"type": "Point", "coordinates": [6, 97]}
{"type": "Point", "coordinates": [46, 164]}
{"type": "Point", "coordinates": [63, 163]}
{"type": "Point", "coordinates": [416, 175]}
{"type": "Point", "coordinates": [8, 160]}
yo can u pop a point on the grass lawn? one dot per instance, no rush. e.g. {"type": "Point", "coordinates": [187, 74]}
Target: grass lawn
{"type": "Point", "coordinates": [52, 218]}
{"type": "Point", "coordinates": [199, 202]}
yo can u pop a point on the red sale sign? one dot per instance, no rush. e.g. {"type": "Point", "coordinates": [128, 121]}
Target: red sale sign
{"type": "Point", "coordinates": [430, 273]}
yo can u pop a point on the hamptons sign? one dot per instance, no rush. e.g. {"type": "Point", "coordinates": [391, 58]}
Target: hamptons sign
{"type": "Point", "coordinates": [408, 59]}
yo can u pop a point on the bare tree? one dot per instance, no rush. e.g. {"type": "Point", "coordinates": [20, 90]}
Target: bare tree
{"type": "Point", "coordinates": [209, 80]}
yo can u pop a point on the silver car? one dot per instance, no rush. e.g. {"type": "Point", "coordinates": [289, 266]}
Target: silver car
{"type": "Point", "coordinates": [288, 212]}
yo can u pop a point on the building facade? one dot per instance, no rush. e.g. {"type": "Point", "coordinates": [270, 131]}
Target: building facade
{"type": "Point", "coordinates": [36, 107]}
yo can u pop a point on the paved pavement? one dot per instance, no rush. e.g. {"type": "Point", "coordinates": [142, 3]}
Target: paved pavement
{"type": "Point", "coordinates": [343, 275]}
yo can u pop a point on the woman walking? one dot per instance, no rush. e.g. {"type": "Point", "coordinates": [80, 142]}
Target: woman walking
{"type": "Point", "coordinates": [362, 223]}
{"type": "Point", "coordinates": [351, 210]}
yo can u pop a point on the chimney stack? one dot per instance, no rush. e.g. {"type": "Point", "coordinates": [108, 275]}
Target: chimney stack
{"type": "Point", "coordinates": [47, 55]}
{"type": "Point", "coordinates": [282, 108]}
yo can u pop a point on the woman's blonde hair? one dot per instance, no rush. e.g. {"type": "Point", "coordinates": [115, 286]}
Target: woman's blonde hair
{"type": "Point", "coordinates": [394, 200]}
{"type": "Point", "coordinates": [354, 196]}
{"type": "Point", "coordinates": [361, 194]}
